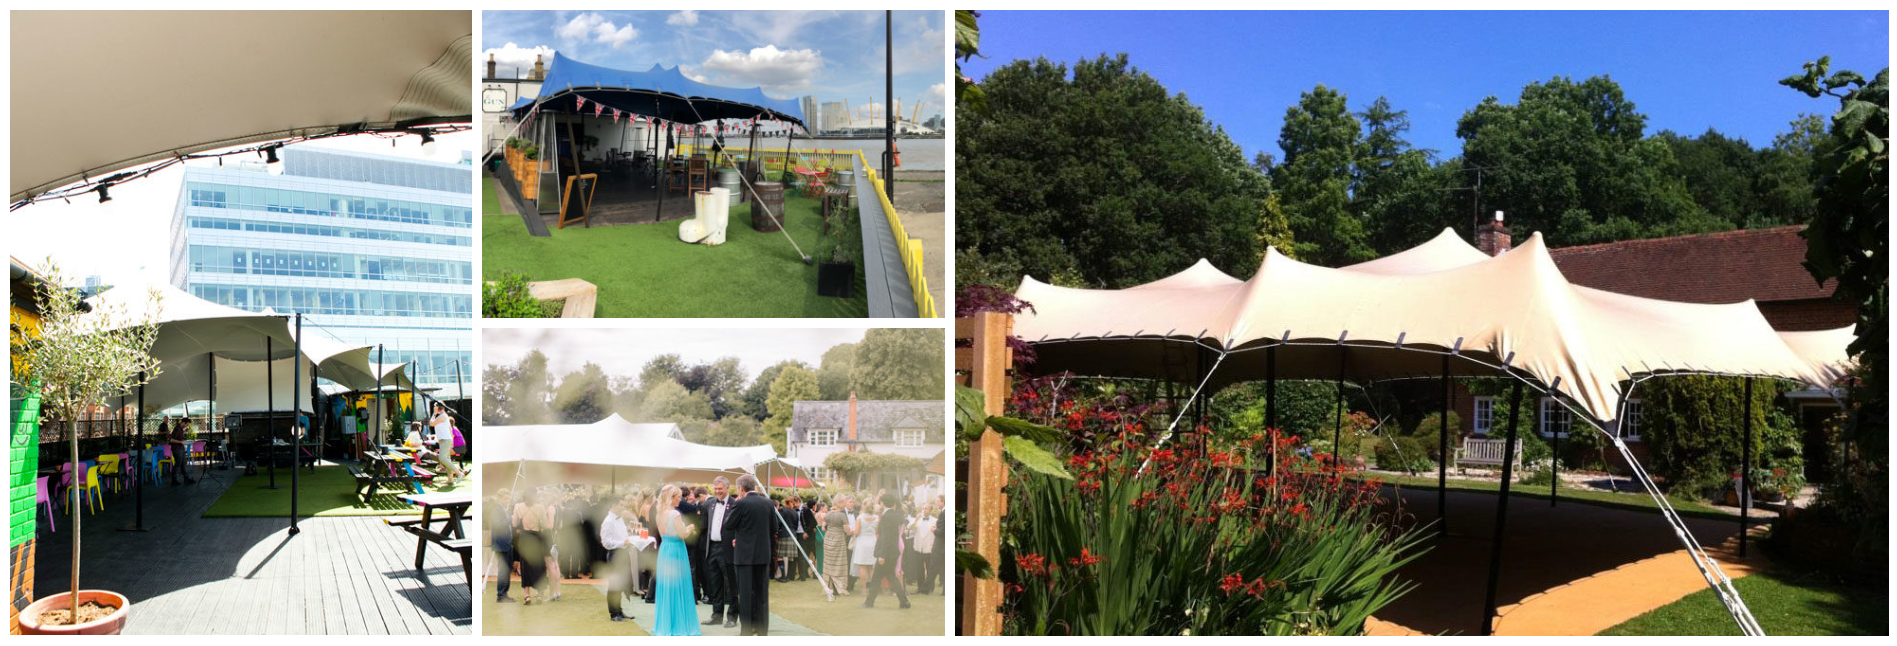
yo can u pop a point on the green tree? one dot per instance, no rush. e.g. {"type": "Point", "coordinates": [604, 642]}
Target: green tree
{"type": "Point", "coordinates": [665, 367]}
{"type": "Point", "coordinates": [793, 384]}
{"type": "Point", "coordinates": [833, 375]}
{"type": "Point", "coordinates": [754, 398]}
{"type": "Point", "coordinates": [1720, 173]}
{"type": "Point", "coordinates": [736, 430]}
{"type": "Point", "coordinates": [1397, 194]}
{"type": "Point", "coordinates": [1784, 183]}
{"type": "Point", "coordinates": [1570, 160]}
{"type": "Point", "coordinates": [584, 396]}
{"type": "Point", "coordinates": [899, 363]}
{"type": "Point", "coordinates": [1321, 140]}
{"type": "Point", "coordinates": [1100, 178]}
{"type": "Point", "coordinates": [530, 394]}
{"type": "Point", "coordinates": [496, 407]}
{"type": "Point", "coordinates": [667, 401]}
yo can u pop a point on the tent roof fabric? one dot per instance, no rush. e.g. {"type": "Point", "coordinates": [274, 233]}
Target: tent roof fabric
{"type": "Point", "coordinates": [1759, 264]}
{"type": "Point", "coordinates": [1367, 320]}
{"type": "Point", "coordinates": [121, 89]}
{"type": "Point", "coordinates": [644, 451]}
{"type": "Point", "coordinates": [662, 92]}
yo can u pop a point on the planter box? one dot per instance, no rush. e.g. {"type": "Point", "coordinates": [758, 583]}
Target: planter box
{"type": "Point", "coordinates": [111, 625]}
{"type": "Point", "coordinates": [836, 279]}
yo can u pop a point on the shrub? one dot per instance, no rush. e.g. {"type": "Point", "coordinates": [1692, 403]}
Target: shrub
{"type": "Point", "coordinates": [508, 298]}
{"type": "Point", "coordinates": [1188, 539]}
{"type": "Point", "coordinates": [1692, 425]}
{"type": "Point", "coordinates": [1403, 453]}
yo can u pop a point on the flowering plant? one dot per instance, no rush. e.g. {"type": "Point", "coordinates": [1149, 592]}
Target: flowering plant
{"type": "Point", "coordinates": [1196, 536]}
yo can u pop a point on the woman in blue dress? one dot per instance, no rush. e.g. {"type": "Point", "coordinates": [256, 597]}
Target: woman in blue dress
{"type": "Point", "coordinates": [677, 605]}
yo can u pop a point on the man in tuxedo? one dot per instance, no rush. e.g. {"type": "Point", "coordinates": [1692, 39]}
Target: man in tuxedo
{"type": "Point", "coordinates": [721, 585]}
{"type": "Point", "coordinates": [805, 531]}
{"type": "Point", "coordinates": [752, 526]}
{"type": "Point", "coordinates": [696, 550]}
{"type": "Point", "coordinates": [888, 553]}
{"type": "Point", "coordinates": [615, 537]}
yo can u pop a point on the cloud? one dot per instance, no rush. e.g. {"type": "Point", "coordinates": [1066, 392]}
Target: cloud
{"type": "Point", "coordinates": [779, 70]}
{"type": "Point", "coordinates": [937, 95]}
{"type": "Point", "coordinates": [594, 27]}
{"type": "Point", "coordinates": [512, 59]}
{"type": "Point", "coordinates": [685, 18]}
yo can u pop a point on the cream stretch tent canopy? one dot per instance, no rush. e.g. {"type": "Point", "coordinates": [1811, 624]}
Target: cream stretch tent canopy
{"type": "Point", "coordinates": [611, 451]}
{"type": "Point", "coordinates": [136, 87]}
{"type": "Point", "coordinates": [194, 332]}
{"type": "Point", "coordinates": [1515, 309]}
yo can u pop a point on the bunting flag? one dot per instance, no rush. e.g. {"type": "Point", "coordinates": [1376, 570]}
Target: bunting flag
{"type": "Point", "coordinates": [615, 116]}
{"type": "Point", "coordinates": [581, 102]}
{"type": "Point", "coordinates": [598, 108]}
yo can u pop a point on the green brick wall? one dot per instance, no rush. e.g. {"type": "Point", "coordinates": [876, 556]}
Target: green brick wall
{"type": "Point", "coordinates": [24, 460]}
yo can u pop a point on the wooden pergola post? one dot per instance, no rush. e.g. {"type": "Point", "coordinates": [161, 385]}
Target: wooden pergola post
{"type": "Point", "coordinates": [986, 364]}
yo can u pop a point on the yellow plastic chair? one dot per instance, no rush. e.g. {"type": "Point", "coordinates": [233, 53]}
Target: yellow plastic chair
{"type": "Point", "coordinates": [92, 485]}
{"type": "Point", "coordinates": [109, 467]}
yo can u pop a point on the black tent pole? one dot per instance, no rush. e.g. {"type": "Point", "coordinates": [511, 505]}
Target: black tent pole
{"type": "Point", "coordinates": [1442, 457]}
{"type": "Point", "coordinates": [665, 173]}
{"type": "Point", "coordinates": [138, 443]}
{"type": "Point", "coordinates": [1271, 408]}
{"type": "Point", "coordinates": [889, 106]}
{"type": "Point", "coordinates": [1337, 431]}
{"type": "Point", "coordinates": [1501, 511]}
{"type": "Point", "coordinates": [296, 409]}
{"type": "Point", "coordinates": [210, 418]}
{"type": "Point", "coordinates": [270, 419]}
{"type": "Point", "coordinates": [1745, 473]}
{"type": "Point", "coordinates": [377, 411]}
{"type": "Point", "coordinates": [1554, 469]}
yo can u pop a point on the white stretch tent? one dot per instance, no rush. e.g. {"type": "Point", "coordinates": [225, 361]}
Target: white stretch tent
{"type": "Point", "coordinates": [610, 451]}
{"type": "Point", "coordinates": [1515, 309]}
{"type": "Point", "coordinates": [118, 89]}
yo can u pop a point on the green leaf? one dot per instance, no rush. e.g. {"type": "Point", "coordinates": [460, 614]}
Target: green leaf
{"type": "Point", "coordinates": [970, 410]}
{"type": "Point", "coordinates": [1012, 427]}
{"type": "Point", "coordinates": [1032, 456]}
{"type": "Point", "coordinates": [972, 563]}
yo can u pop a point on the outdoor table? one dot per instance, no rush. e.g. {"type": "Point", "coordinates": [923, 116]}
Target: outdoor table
{"type": "Point", "coordinates": [451, 535]}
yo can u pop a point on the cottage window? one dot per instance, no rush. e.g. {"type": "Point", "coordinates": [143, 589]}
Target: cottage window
{"type": "Point", "coordinates": [823, 437]}
{"type": "Point", "coordinates": [1484, 415]}
{"type": "Point", "coordinates": [1555, 418]}
{"type": "Point", "coordinates": [909, 437]}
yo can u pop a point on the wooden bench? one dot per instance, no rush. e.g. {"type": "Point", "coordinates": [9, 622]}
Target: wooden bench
{"type": "Point", "coordinates": [1485, 452]}
{"type": "Point", "coordinates": [451, 535]}
{"type": "Point", "coordinates": [464, 546]}
{"type": "Point", "coordinates": [377, 471]}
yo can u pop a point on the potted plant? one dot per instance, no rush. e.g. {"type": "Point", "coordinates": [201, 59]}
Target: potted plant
{"type": "Point", "coordinates": [82, 357]}
{"type": "Point", "coordinates": [836, 276]}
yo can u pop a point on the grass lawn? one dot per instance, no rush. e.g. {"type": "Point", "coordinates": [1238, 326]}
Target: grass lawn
{"type": "Point", "coordinates": [1629, 500]}
{"type": "Point", "coordinates": [490, 202]}
{"type": "Point", "coordinates": [330, 491]}
{"type": "Point", "coordinates": [642, 270]}
{"type": "Point", "coordinates": [1784, 603]}
{"type": "Point", "coordinates": [796, 609]}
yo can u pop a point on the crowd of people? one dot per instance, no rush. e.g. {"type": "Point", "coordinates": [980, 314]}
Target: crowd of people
{"type": "Point", "coordinates": [678, 545]}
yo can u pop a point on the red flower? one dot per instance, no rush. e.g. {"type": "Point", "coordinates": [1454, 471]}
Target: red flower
{"type": "Point", "coordinates": [1032, 564]}
{"type": "Point", "coordinates": [1086, 558]}
{"type": "Point", "coordinates": [1231, 583]}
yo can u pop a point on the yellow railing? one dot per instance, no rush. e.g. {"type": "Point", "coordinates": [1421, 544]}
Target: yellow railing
{"type": "Point", "coordinates": [911, 249]}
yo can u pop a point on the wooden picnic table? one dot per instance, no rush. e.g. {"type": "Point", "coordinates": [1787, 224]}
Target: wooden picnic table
{"type": "Point", "coordinates": [381, 467]}
{"type": "Point", "coordinates": [451, 536]}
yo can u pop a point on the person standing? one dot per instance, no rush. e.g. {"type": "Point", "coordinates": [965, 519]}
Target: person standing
{"type": "Point", "coordinates": [787, 539]}
{"type": "Point", "coordinates": [613, 535]}
{"type": "Point", "coordinates": [720, 579]}
{"type": "Point", "coordinates": [804, 531]}
{"type": "Point", "coordinates": [677, 611]}
{"type": "Point", "coordinates": [924, 545]}
{"type": "Point", "coordinates": [180, 457]}
{"type": "Point", "coordinates": [530, 545]}
{"type": "Point", "coordinates": [836, 546]}
{"type": "Point", "coordinates": [700, 497]}
{"type": "Point", "coordinates": [500, 528]}
{"type": "Point", "coordinates": [752, 527]}
{"type": "Point", "coordinates": [888, 552]}
{"type": "Point", "coordinates": [863, 554]}
{"type": "Point", "coordinates": [444, 443]}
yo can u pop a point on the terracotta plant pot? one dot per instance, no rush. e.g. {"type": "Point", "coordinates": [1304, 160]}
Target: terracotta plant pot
{"type": "Point", "coordinates": [111, 625]}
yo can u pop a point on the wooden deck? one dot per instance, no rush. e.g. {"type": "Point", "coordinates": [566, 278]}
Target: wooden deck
{"type": "Point", "coordinates": [192, 575]}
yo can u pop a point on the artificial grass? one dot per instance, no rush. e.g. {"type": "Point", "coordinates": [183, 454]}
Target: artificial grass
{"type": "Point", "coordinates": [1638, 501]}
{"type": "Point", "coordinates": [1784, 604]}
{"type": "Point", "coordinates": [642, 270]}
{"type": "Point", "coordinates": [329, 491]}
{"type": "Point", "coordinates": [490, 201]}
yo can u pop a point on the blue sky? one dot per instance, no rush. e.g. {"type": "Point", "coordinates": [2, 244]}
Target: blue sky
{"type": "Point", "coordinates": [1686, 71]}
{"type": "Point", "coordinates": [834, 55]}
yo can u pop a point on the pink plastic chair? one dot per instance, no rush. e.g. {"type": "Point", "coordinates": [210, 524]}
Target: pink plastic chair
{"type": "Point", "coordinates": [45, 498]}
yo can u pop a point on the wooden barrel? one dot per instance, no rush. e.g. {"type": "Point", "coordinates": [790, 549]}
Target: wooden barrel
{"type": "Point", "coordinates": [767, 195]}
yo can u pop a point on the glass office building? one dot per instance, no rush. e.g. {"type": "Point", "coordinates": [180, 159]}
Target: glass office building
{"type": "Point", "coordinates": [371, 249]}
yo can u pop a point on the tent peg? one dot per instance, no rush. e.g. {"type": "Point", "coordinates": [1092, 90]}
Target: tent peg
{"type": "Point", "coordinates": [1399, 339]}
{"type": "Point", "coordinates": [1556, 384]}
{"type": "Point", "coordinates": [1286, 338]}
{"type": "Point", "coordinates": [1457, 350]}
{"type": "Point", "coordinates": [1341, 337]}
{"type": "Point", "coordinates": [1508, 360]}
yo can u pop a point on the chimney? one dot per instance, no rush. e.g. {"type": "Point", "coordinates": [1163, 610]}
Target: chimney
{"type": "Point", "coordinates": [490, 66]}
{"type": "Point", "coordinates": [852, 416]}
{"type": "Point", "coordinates": [1493, 238]}
{"type": "Point", "coordinates": [540, 69]}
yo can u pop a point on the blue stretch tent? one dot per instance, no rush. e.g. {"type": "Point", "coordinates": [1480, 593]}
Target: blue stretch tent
{"type": "Point", "coordinates": [661, 92]}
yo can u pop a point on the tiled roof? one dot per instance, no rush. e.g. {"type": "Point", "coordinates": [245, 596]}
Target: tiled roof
{"type": "Point", "coordinates": [876, 420]}
{"type": "Point", "coordinates": [1726, 267]}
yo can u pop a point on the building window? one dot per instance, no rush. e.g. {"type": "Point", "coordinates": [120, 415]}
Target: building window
{"type": "Point", "coordinates": [1630, 421]}
{"type": "Point", "coordinates": [820, 474]}
{"type": "Point", "coordinates": [1555, 418]}
{"type": "Point", "coordinates": [1484, 415]}
{"type": "Point", "coordinates": [909, 437]}
{"type": "Point", "coordinates": [823, 437]}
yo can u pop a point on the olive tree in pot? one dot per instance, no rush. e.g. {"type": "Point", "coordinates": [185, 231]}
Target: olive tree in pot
{"type": "Point", "coordinates": [81, 359]}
